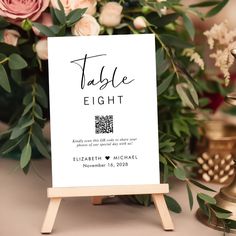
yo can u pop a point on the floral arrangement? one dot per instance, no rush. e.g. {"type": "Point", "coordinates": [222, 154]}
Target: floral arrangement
{"type": "Point", "coordinates": [24, 28]}
{"type": "Point", "coordinates": [221, 41]}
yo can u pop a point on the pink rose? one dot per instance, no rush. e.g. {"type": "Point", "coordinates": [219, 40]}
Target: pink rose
{"type": "Point", "coordinates": [86, 26]}
{"type": "Point", "coordinates": [111, 14]}
{"type": "Point", "coordinates": [89, 4]}
{"type": "Point", "coordinates": [11, 37]}
{"type": "Point", "coordinates": [70, 5]}
{"type": "Point", "coordinates": [140, 23]}
{"type": "Point", "coordinates": [41, 49]}
{"type": "Point", "coordinates": [17, 10]}
{"type": "Point", "coordinates": [44, 19]}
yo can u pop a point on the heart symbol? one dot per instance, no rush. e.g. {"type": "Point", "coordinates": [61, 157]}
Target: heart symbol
{"type": "Point", "coordinates": [107, 157]}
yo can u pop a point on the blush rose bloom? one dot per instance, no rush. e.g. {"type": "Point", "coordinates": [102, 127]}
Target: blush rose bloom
{"type": "Point", "coordinates": [41, 49]}
{"type": "Point", "coordinates": [86, 26]}
{"type": "Point", "coordinates": [17, 10]}
{"type": "Point", "coordinates": [11, 37]}
{"type": "Point", "coordinates": [111, 14]}
{"type": "Point", "coordinates": [70, 5]}
{"type": "Point", "coordinates": [140, 23]}
{"type": "Point", "coordinates": [44, 19]}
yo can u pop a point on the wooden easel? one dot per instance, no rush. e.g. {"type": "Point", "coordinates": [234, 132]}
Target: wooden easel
{"type": "Point", "coordinates": [56, 194]}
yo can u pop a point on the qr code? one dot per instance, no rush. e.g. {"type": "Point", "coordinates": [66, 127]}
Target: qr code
{"type": "Point", "coordinates": [104, 124]}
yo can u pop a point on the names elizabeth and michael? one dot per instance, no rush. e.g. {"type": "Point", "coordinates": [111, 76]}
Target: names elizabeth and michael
{"type": "Point", "coordinates": [101, 82]}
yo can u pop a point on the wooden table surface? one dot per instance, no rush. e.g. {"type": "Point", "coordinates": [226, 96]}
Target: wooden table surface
{"type": "Point", "coordinates": [23, 204]}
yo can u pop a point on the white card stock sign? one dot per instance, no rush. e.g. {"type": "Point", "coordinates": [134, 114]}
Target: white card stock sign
{"type": "Point", "coordinates": [103, 106]}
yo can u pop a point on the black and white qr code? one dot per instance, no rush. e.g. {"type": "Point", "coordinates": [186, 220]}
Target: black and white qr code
{"type": "Point", "coordinates": [104, 124]}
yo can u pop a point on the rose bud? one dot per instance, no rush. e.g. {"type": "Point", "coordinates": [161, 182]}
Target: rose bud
{"type": "Point", "coordinates": [111, 14]}
{"type": "Point", "coordinates": [41, 49]}
{"type": "Point", "coordinates": [11, 37]}
{"type": "Point", "coordinates": [140, 23]}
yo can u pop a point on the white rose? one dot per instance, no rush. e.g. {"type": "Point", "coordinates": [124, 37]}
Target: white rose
{"type": "Point", "coordinates": [111, 14]}
{"type": "Point", "coordinates": [86, 26]}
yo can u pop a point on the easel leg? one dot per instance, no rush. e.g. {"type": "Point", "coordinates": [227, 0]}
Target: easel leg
{"type": "Point", "coordinates": [50, 215]}
{"type": "Point", "coordinates": [97, 200]}
{"type": "Point", "coordinates": [161, 206]}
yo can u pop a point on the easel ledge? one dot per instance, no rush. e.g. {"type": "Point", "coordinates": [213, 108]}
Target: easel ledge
{"type": "Point", "coordinates": [57, 193]}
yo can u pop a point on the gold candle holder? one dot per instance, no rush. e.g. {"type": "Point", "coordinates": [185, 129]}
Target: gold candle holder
{"type": "Point", "coordinates": [226, 198]}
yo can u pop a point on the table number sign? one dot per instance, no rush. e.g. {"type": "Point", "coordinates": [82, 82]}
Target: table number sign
{"type": "Point", "coordinates": [103, 105]}
{"type": "Point", "coordinates": [104, 128]}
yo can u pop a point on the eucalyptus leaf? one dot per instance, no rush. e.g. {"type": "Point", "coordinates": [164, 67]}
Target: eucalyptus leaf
{"type": "Point", "coordinates": [28, 108]}
{"type": "Point", "coordinates": [60, 15]}
{"type": "Point", "coordinates": [205, 4]}
{"type": "Point", "coordinates": [16, 62]}
{"type": "Point", "coordinates": [180, 173]}
{"type": "Point", "coordinates": [25, 156]}
{"type": "Point", "coordinates": [217, 8]}
{"type": "Point", "coordinates": [44, 29]}
{"type": "Point", "coordinates": [4, 82]}
{"type": "Point", "coordinates": [16, 132]}
{"type": "Point", "coordinates": [172, 204]}
{"type": "Point", "coordinates": [10, 145]}
{"type": "Point", "coordinates": [165, 84]}
{"type": "Point", "coordinates": [74, 16]}
{"type": "Point", "coordinates": [190, 196]}
{"type": "Point", "coordinates": [40, 146]}
{"type": "Point", "coordinates": [201, 185]}
{"type": "Point", "coordinates": [206, 198]}
{"type": "Point", "coordinates": [222, 215]}
{"type": "Point", "coordinates": [189, 26]}
{"type": "Point", "coordinates": [184, 96]}
{"type": "Point", "coordinates": [173, 41]}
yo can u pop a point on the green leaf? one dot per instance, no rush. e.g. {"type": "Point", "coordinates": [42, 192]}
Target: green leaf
{"type": "Point", "coordinates": [189, 26]}
{"type": "Point", "coordinates": [27, 124]}
{"type": "Point", "coordinates": [16, 76]}
{"type": "Point", "coordinates": [16, 62]}
{"type": "Point", "coordinates": [27, 108]}
{"type": "Point", "coordinates": [165, 84]}
{"type": "Point", "coordinates": [201, 185]}
{"type": "Point", "coordinates": [4, 83]}
{"type": "Point", "coordinates": [184, 96]}
{"type": "Point", "coordinates": [27, 99]}
{"type": "Point", "coordinates": [190, 196]}
{"type": "Point", "coordinates": [217, 8]}
{"type": "Point", "coordinates": [61, 7]}
{"type": "Point", "coordinates": [173, 41]}
{"type": "Point", "coordinates": [205, 4]}
{"type": "Point", "coordinates": [220, 210]}
{"type": "Point", "coordinates": [180, 173]}
{"type": "Point", "coordinates": [203, 206]}
{"type": "Point", "coordinates": [172, 204]}
{"type": "Point", "coordinates": [44, 29]}
{"type": "Point", "coordinates": [206, 198]}
{"type": "Point", "coordinates": [231, 224]}
{"type": "Point", "coordinates": [143, 199]}
{"type": "Point", "coordinates": [158, 21]}
{"type": "Point", "coordinates": [41, 96]}
{"type": "Point", "coordinates": [16, 132]}
{"type": "Point", "coordinates": [162, 64]}
{"type": "Point", "coordinates": [40, 146]}
{"type": "Point", "coordinates": [60, 15]}
{"type": "Point", "coordinates": [3, 23]}
{"type": "Point", "coordinates": [222, 215]}
{"type": "Point", "coordinates": [74, 16]}
{"type": "Point", "coordinates": [8, 49]}
{"type": "Point", "coordinates": [25, 156]}
{"type": "Point", "coordinates": [10, 145]}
